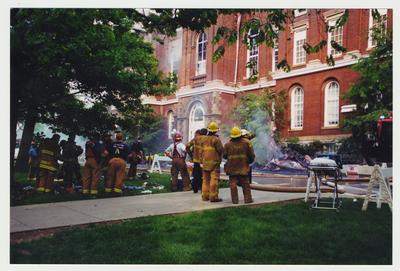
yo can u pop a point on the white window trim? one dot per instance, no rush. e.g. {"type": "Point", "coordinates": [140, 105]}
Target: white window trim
{"type": "Point", "coordinates": [293, 112]}
{"type": "Point", "coordinates": [192, 125]}
{"type": "Point", "coordinates": [382, 12]}
{"type": "Point", "coordinates": [329, 47]}
{"type": "Point", "coordinates": [275, 49]}
{"type": "Point", "coordinates": [298, 13]}
{"type": "Point", "coordinates": [248, 56]}
{"type": "Point", "coordinates": [203, 62]}
{"type": "Point", "coordinates": [299, 32]}
{"type": "Point", "coordinates": [170, 117]}
{"type": "Point", "coordinates": [326, 120]}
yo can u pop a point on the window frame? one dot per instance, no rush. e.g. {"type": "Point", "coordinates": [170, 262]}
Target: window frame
{"type": "Point", "coordinates": [300, 34]}
{"type": "Point", "coordinates": [201, 67]}
{"type": "Point", "coordinates": [332, 22]}
{"type": "Point", "coordinates": [371, 25]}
{"type": "Point", "coordinates": [298, 13]}
{"type": "Point", "coordinates": [294, 111]}
{"type": "Point", "coordinates": [249, 56]}
{"type": "Point", "coordinates": [193, 109]}
{"type": "Point", "coordinates": [275, 55]}
{"type": "Point", "coordinates": [170, 123]}
{"type": "Point", "coordinates": [328, 98]}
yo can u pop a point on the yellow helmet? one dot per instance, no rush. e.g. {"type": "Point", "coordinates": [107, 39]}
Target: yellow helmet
{"type": "Point", "coordinates": [212, 127]}
{"type": "Point", "coordinates": [235, 132]}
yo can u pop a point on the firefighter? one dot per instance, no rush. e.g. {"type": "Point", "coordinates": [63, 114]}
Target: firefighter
{"type": "Point", "coordinates": [33, 162]}
{"type": "Point", "coordinates": [177, 152]}
{"type": "Point", "coordinates": [48, 165]}
{"type": "Point", "coordinates": [135, 157]}
{"type": "Point", "coordinates": [193, 148]}
{"type": "Point", "coordinates": [105, 157]}
{"type": "Point", "coordinates": [239, 154]}
{"type": "Point", "coordinates": [211, 156]}
{"type": "Point", "coordinates": [249, 136]}
{"type": "Point", "coordinates": [118, 152]}
{"type": "Point", "coordinates": [91, 169]}
{"type": "Point", "coordinates": [71, 166]}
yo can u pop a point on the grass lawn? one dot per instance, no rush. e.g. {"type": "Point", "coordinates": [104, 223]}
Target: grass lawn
{"type": "Point", "coordinates": [270, 234]}
{"type": "Point", "coordinates": [33, 197]}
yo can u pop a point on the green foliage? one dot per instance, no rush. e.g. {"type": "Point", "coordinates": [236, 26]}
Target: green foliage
{"type": "Point", "coordinates": [166, 21]}
{"type": "Point", "coordinates": [269, 234]}
{"type": "Point", "coordinates": [57, 54]}
{"type": "Point", "coordinates": [34, 198]}
{"type": "Point", "coordinates": [305, 149]}
{"type": "Point", "coordinates": [373, 92]}
{"type": "Point", "coordinates": [255, 112]}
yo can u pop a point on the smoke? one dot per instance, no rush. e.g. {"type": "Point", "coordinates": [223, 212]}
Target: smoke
{"type": "Point", "coordinates": [265, 147]}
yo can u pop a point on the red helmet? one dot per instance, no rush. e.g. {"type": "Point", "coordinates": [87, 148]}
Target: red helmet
{"type": "Point", "coordinates": [178, 136]}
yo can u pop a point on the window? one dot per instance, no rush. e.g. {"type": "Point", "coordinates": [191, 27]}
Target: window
{"type": "Point", "coordinates": [252, 55]}
{"type": "Point", "coordinates": [275, 55]}
{"type": "Point", "coordinates": [170, 117]}
{"type": "Point", "coordinates": [201, 54]}
{"type": "Point", "coordinates": [299, 12]}
{"type": "Point", "coordinates": [373, 23]}
{"type": "Point", "coordinates": [297, 107]}
{"type": "Point", "coordinates": [331, 114]}
{"type": "Point", "coordinates": [196, 119]}
{"type": "Point", "coordinates": [299, 54]}
{"type": "Point", "coordinates": [334, 35]}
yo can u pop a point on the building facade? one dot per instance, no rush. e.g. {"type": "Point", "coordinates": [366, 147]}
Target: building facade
{"type": "Point", "coordinates": [208, 91]}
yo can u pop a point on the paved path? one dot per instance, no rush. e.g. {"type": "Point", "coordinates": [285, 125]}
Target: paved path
{"type": "Point", "coordinates": [51, 215]}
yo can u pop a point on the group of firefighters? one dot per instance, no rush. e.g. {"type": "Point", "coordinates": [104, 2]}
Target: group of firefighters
{"type": "Point", "coordinates": [108, 158]}
{"type": "Point", "coordinates": [207, 151]}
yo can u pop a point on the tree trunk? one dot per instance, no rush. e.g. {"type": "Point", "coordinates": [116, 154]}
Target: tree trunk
{"type": "Point", "coordinates": [13, 143]}
{"type": "Point", "coordinates": [27, 136]}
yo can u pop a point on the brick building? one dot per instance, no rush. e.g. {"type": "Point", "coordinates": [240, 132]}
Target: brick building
{"type": "Point", "coordinates": [208, 91]}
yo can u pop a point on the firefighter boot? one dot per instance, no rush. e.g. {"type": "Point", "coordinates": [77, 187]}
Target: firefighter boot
{"type": "Point", "coordinates": [246, 190]}
{"type": "Point", "coordinates": [234, 192]}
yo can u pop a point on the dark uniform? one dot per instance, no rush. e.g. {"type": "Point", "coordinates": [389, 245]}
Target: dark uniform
{"type": "Point", "coordinates": [118, 152]}
{"type": "Point", "coordinates": [91, 170]}
{"type": "Point", "coordinates": [210, 157]}
{"type": "Point", "coordinates": [194, 147]}
{"type": "Point", "coordinates": [239, 154]}
{"type": "Point", "coordinates": [135, 157]}
{"type": "Point", "coordinates": [71, 166]}
{"type": "Point", "coordinates": [48, 165]}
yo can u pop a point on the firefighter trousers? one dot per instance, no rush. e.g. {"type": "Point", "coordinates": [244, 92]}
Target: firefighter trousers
{"type": "Point", "coordinates": [69, 168]}
{"type": "Point", "coordinates": [197, 177]}
{"type": "Point", "coordinates": [115, 175]}
{"type": "Point", "coordinates": [91, 176]}
{"type": "Point", "coordinates": [209, 190]}
{"type": "Point", "coordinates": [46, 180]}
{"type": "Point", "coordinates": [132, 170]}
{"type": "Point", "coordinates": [179, 165]}
{"type": "Point", "coordinates": [243, 180]}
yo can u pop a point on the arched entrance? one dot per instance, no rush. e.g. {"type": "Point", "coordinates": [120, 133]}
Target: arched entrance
{"type": "Point", "coordinates": [196, 119]}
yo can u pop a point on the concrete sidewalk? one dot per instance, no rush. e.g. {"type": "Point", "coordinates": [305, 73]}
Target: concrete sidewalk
{"type": "Point", "coordinates": [52, 215]}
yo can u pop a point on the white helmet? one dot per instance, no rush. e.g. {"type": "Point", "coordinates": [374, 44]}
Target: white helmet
{"type": "Point", "coordinates": [244, 132]}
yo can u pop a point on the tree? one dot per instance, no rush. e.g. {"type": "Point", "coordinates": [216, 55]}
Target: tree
{"type": "Point", "coordinates": [57, 54]}
{"type": "Point", "coordinates": [266, 22]}
{"type": "Point", "coordinates": [373, 92]}
{"type": "Point", "coordinates": [259, 113]}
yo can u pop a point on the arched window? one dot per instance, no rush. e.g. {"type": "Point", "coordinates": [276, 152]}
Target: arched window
{"type": "Point", "coordinates": [297, 108]}
{"type": "Point", "coordinates": [252, 54]}
{"type": "Point", "coordinates": [170, 117]}
{"type": "Point", "coordinates": [331, 112]}
{"type": "Point", "coordinates": [196, 119]}
{"type": "Point", "coordinates": [201, 54]}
